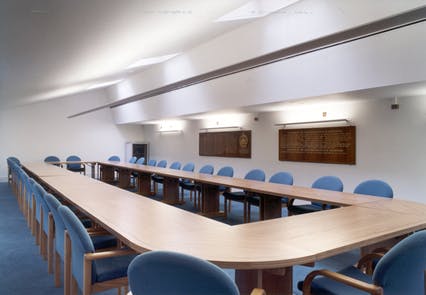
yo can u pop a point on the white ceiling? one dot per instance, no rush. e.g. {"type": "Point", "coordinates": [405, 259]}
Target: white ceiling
{"type": "Point", "coordinates": [50, 48]}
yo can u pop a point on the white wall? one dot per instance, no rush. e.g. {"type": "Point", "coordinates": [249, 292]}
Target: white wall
{"type": "Point", "coordinates": [32, 132]}
{"type": "Point", "coordinates": [390, 145]}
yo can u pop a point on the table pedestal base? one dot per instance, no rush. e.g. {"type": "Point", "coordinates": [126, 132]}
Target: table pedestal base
{"type": "Point", "coordinates": [273, 281]}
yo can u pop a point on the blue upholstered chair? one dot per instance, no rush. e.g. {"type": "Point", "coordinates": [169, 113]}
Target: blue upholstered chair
{"type": "Point", "coordinates": [140, 161]}
{"type": "Point", "coordinates": [163, 273]}
{"type": "Point", "coordinates": [279, 177]}
{"type": "Point", "coordinates": [100, 241]}
{"type": "Point", "coordinates": [93, 272]}
{"type": "Point", "coordinates": [156, 179]}
{"type": "Point", "coordinates": [50, 159]}
{"type": "Point", "coordinates": [10, 161]}
{"type": "Point", "coordinates": [241, 196]}
{"type": "Point", "coordinates": [331, 183]}
{"type": "Point", "coordinates": [76, 167]}
{"type": "Point", "coordinates": [374, 187]}
{"type": "Point", "coordinates": [399, 271]}
{"type": "Point", "coordinates": [42, 219]}
{"type": "Point", "coordinates": [162, 164]}
{"type": "Point", "coordinates": [114, 158]}
{"type": "Point", "coordinates": [190, 168]}
{"type": "Point", "coordinates": [194, 187]}
{"type": "Point", "coordinates": [227, 171]}
{"type": "Point", "coordinates": [152, 162]}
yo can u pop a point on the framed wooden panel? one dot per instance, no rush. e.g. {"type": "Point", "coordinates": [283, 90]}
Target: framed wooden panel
{"type": "Point", "coordinates": [236, 144]}
{"type": "Point", "coordinates": [334, 145]}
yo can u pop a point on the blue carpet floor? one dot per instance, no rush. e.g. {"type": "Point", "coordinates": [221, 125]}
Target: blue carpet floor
{"type": "Point", "coordinates": [23, 271]}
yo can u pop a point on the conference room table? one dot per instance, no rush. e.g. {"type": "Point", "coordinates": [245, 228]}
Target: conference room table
{"type": "Point", "coordinates": [262, 253]}
{"type": "Point", "coordinates": [270, 193]}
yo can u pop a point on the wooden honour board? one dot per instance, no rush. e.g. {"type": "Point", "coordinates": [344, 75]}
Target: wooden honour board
{"type": "Point", "coordinates": [334, 145]}
{"type": "Point", "coordinates": [235, 144]}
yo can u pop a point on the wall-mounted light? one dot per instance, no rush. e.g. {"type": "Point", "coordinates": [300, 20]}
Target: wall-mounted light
{"type": "Point", "coordinates": [207, 129]}
{"type": "Point", "coordinates": [170, 127]}
{"type": "Point", "coordinates": [346, 121]}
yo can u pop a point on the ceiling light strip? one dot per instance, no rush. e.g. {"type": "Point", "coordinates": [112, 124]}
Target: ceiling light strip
{"type": "Point", "coordinates": [370, 29]}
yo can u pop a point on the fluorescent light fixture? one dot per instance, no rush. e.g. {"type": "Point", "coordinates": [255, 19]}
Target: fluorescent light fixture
{"type": "Point", "coordinates": [170, 126]}
{"type": "Point", "coordinates": [104, 84]}
{"type": "Point", "coordinates": [254, 9]}
{"type": "Point", "coordinates": [151, 60]}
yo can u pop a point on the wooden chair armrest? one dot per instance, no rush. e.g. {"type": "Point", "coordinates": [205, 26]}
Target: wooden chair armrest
{"type": "Point", "coordinates": [258, 291]}
{"type": "Point", "coordinates": [108, 254]}
{"type": "Point", "coordinates": [372, 289]}
{"type": "Point", "coordinates": [94, 232]}
{"type": "Point", "coordinates": [368, 259]}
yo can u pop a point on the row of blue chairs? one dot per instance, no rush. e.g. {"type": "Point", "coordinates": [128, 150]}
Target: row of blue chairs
{"type": "Point", "coordinates": [333, 183]}
{"type": "Point", "coordinates": [369, 187]}
{"type": "Point", "coordinates": [74, 167]}
{"type": "Point", "coordinates": [156, 272]}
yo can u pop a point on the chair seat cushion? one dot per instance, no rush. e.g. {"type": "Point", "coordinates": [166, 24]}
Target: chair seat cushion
{"type": "Point", "coordinates": [326, 286]}
{"type": "Point", "coordinates": [157, 178]}
{"type": "Point", "coordinates": [187, 185]}
{"type": "Point", "coordinates": [302, 209]}
{"type": "Point", "coordinates": [112, 268]}
{"type": "Point", "coordinates": [101, 242]}
{"type": "Point", "coordinates": [235, 196]}
{"type": "Point", "coordinates": [253, 200]}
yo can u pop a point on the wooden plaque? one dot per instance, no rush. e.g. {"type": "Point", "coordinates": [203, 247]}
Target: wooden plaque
{"type": "Point", "coordinates": [235, 144]}
{"type": "Point", "coordinates": [335, 145]}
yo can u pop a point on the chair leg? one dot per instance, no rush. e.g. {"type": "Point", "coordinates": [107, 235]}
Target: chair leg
{"type": "Point", "coordinates": [74, 287]}
{"type": "Point", "coordinates": [225, 208]}
{"type": "Point", "coordinates": [198, 196]}
{"type": "Point", "coordinates": [67, 265]}
{"type": "Point", "coordinates": [57, 270]}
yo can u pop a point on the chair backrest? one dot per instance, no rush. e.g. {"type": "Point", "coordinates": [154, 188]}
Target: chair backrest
{"type": "Point", "coordinates": [49, 159]}
{"type": "Point", "coordinates": [132, 160]}
{"type": "Point", "coordinates": [80, 243]}
{"type": "Point", "coordinates": [163, 272]}
{"type": "Point", "coordinates": [207, 169]}
{"type": "Point", "coordinates": [331, 183]}
{"type": "Point", "coordinates": [152, 162]}
{"type": "Point", "coordinates": [255, 174]}
{"type": "Point", "coordinates": [374, 187]}
{"type": "Point", "coordinates": [73, 158]}
{"type": "Point", "coordinates": [226, 171]}
{"type": "Point", "coordinates": [162, 164]}
{"type": "Point", "coordinates": [189, 167]}
{"type": "Point", "coordinates": [114, 158]}
{"type": "Point", "coordinates": [402, 269]}
{"type": "Point", "coordinates": [54, 204]}
{"type": "Point", "coordinates": [282, 178]}
{"type": "Point", "coordinates": [175, 165]}
{"type": "Point", "coordinates": [39, 193]}
{"type": "Point", "coordinates": [14, 160]}
{"type": "Point", "coordinates": [140, 161]}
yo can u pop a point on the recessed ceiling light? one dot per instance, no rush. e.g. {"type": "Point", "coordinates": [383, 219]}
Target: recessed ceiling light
{"type": "Point", "coordinates": [151, 60]}
{"type": "Point", "coordinates": [104, 84]}
{"type": "Point", "coordinates": [255, 9]}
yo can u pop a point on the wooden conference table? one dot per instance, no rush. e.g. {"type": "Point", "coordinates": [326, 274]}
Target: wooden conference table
{"type": "Point", "coordinates": [262, 253]}
{"type": "Point", "coordinates": [270, 193]}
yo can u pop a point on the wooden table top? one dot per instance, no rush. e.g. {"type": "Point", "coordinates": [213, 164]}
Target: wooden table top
{"type": "Point", "coordinates": [260, 187]}
{"type": "Point", "coordinates": [145, 224]}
